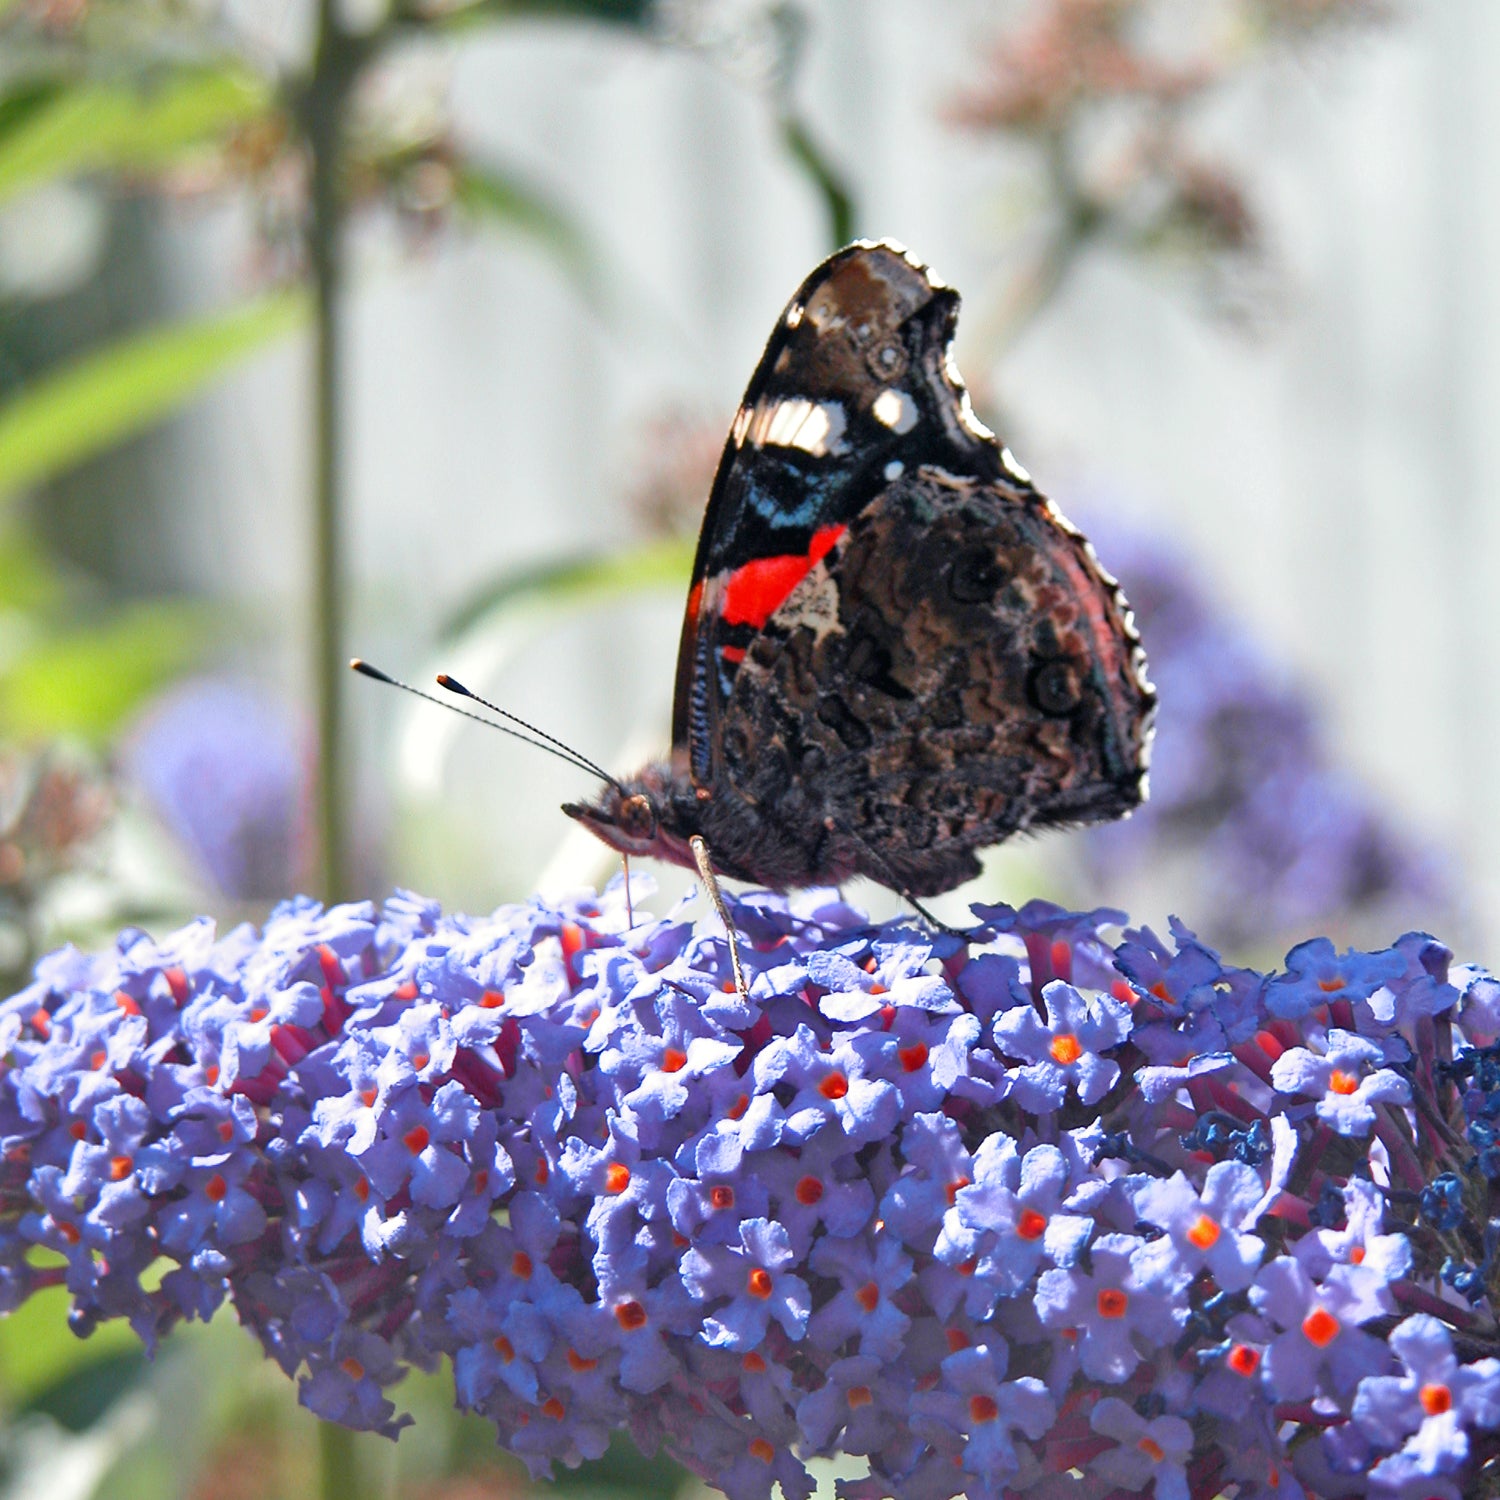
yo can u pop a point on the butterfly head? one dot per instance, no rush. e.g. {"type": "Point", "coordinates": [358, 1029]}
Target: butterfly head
{"type": "Point", "coordinates": [646, 814]}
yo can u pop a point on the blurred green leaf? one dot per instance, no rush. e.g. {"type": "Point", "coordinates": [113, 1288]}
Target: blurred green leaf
{"type": "Point", "coordinates": [28, 579]}
{"type": "Point", "coordinates": [492, 195]}
{"type": "Point", "coordinates": [576, 582]}
{"type": "Point", "coordinates": [89, 126]}
{"type": "Point", "coordinates": [73, 412]}
{"type": "Point", "coordinates": [24, 100]}
{"type": "Point", "coordinates": [635, 13]}
{"type": "Point", "coordinates": [88, 682]}
{"type": "Point", "coordinates": [81, 1397]}
{"type": "Point", "coordinates": [38, 1351]}
{"type": "Point", "coordinates": [624, 1473]}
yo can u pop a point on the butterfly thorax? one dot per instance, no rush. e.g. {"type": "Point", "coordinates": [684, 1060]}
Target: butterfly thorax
{"type": "Point", "coordinates": [655, 813]}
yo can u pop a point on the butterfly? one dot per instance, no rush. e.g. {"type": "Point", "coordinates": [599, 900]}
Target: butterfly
{"type": "Point", "coordinates": [896, 651]}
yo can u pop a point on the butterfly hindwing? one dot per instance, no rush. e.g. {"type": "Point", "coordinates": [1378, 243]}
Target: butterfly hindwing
{"type": "Point", "coordinates": [854, 388]}
{"type": "Point", "coordinates": [959, 670]}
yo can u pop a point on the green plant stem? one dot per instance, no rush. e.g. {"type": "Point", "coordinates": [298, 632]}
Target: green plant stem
{"type": "Point", "coordinates": [838, 202]}
{"type": "Point", "coordinates": [338, 1465]}
{"type": "Point", "coordinates": [336, 65]}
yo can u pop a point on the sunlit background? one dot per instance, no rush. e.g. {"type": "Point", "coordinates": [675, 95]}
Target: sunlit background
{"type": "Point", "coordinates": [1228, 270]}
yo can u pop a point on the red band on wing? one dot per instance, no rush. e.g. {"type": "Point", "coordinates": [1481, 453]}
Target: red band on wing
{"type": "Point", "coordinates": [754, 592]}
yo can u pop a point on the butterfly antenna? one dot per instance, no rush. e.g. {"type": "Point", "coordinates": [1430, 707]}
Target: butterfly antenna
{"type": "Point", "coordinates": [453, 685]}
{"type": "Point", "coordinates": [546, 742]}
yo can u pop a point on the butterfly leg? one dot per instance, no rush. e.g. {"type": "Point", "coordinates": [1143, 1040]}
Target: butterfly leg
{"type": "Point", "coordinates": [711, 884]}
{"type": "Point", "coordinates": [967, 933]}
{"type": "Point", "coordinates": [629, 904]}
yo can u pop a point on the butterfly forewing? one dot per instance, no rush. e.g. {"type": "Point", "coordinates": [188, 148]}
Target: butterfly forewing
{"type": "Point", "coordinates": [853, 389]}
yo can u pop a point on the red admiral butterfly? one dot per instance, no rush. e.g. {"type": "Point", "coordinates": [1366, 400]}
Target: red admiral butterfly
{"type": "Point", "coordinates": [896, 651]}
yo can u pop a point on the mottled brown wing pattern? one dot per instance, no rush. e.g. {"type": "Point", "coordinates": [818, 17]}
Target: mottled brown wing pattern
{"type": "Point", "coordinates": [957, 670]}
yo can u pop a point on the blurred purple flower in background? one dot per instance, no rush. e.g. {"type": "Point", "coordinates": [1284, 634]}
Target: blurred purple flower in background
{"type": "Point", "coordinates": [223, 767]}
{"type": "Point", "coordinates": [1247, 809]}
{"type": "Point", "coordinates": [565, 1154]}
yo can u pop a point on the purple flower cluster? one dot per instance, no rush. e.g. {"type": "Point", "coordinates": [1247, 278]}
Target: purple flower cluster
{"type": "Point", "coordinates": [1036, 1214]}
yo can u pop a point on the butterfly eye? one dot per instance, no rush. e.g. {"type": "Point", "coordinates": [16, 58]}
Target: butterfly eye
{"type": "Point", "coordinates": [637, 817]}
{"type": "Point", "coordinates": [1054, 687]}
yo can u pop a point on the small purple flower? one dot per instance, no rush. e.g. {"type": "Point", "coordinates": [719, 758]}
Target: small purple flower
{"type": "Point", "coordinates": [1211, 1228]}
{"type": "Point", "coordinates": [1322, 1346]}
{"type": "Point", "coordinates": [1154, 1451]}
{"type": "Point", "coordinates": [977, 1402]}
{"type": "Point", "coordinates": [757, 1283]}
{"type": "Point", "coordinates": [1129, 1302]}
{"type": "Point", "coordinates": [1065, 1051]}
{"type": "Point", "coordinates": [1426, 1408]}
{"type": "Point", "coordinates": [1318, 974]}
{"type": "Point", "coordinates": [1346, 1079]}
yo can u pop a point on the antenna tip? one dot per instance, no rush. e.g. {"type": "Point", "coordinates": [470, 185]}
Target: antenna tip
{"type": "Point", "coordinates": [453, 685]}
{"type": "Point", "coordinates": [359, 664]}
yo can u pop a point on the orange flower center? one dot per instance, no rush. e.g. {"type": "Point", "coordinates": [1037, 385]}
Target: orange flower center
{"type": "Point", "coordinates": [1320, 1327]}
{"type": "Point", "coordinates": [1243, 1360]}
{"type": "Point", "coordinates": [1031, 1225]}
{"type": "Point", "coordinates": [759, 1283]}
{"type": "Point", "coordinates": [1152, 1449]}
{"type": "Point", "coordinates": [1065, 1049]}
{"type": "Point", "coordinates": [859, 1395]}
{"type": "Point", "coordinates": [1340, 1082]}
{"type": "Point", "coordinates": [835, 1086]}
{"type": "Point", "coordinates": [1112, 1302]}
{"type": "Point", "coordinates": [983, 1409]}
{"type": "Point", "coordinates": [630, 1316]}
{"type": "Point", "coordinates": [1203, 1232]}
{"type": "Point", "coordinates": [617, 1178]}
{"type": "Point", "coordinates": [1436, 1399]}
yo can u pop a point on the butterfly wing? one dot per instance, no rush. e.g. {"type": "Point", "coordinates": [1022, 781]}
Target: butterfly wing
{"type": "Point", "coordinates": [854, 388]}
{"type": "Point", "coordinates": [956, 670]}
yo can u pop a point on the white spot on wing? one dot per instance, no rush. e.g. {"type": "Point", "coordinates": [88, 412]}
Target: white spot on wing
{"type": "Point", "coordinates": [794, 315]}
{"type": "Point", "coordinates": [816, 427]}
{"type": "Point", "coordinates": [895, 469]}
{"type": "Point", "coordinates": [896, 410]}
